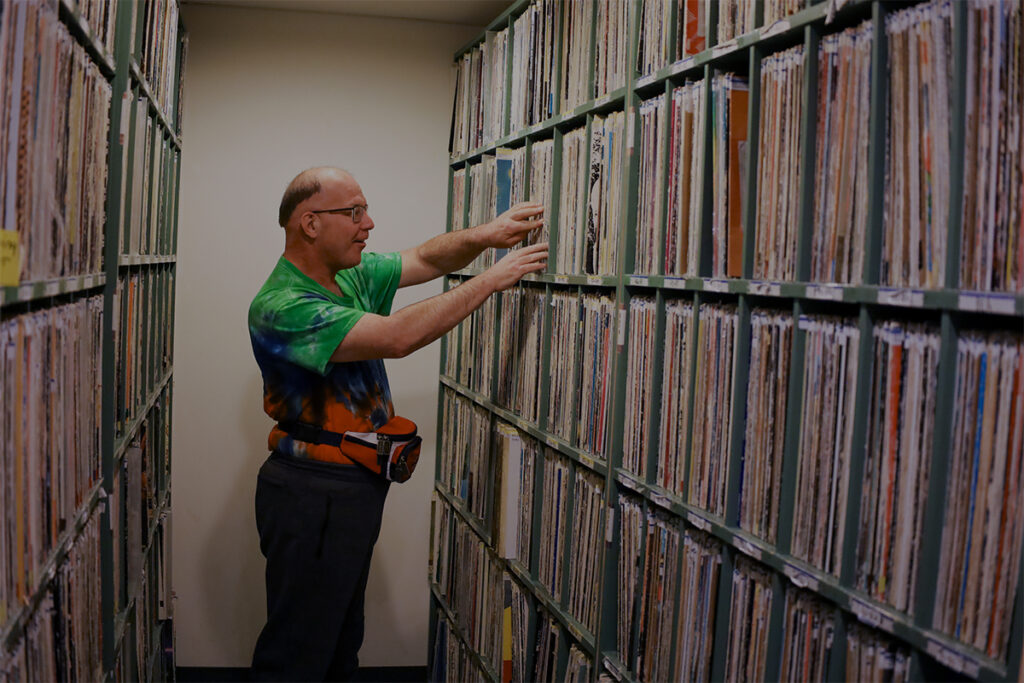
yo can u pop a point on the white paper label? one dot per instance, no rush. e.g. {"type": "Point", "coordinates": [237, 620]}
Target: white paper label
{"type": "Point", "coordinates": [637, 280]}
{"type": "Point", "coordinates": [612, 669]}
{"type": "Point", "coordinates": [594, 280]}
{"type": "Point", "coordinates": [622, 327]}
{"type": "Point", "coordinates": [683, 65]}
{"type": "Point", "coordinates": [675, 283]}
{"type": "Point", "coordinates": [723, 48]}
{"type": "Point", "coordinates": [605, 99]}
{"type": "Point", "coordinates": [551, 441]}
{"type": "Point", "coordinates": [800, 578]}
{"type": "Point", "coordinates": [871, 615]}
{"type": "Point", "coordinates": [562, 279]}
{"type": "Point", "coordinates": [954, 660]}
{"type": "Point", "coordinates": [609, 526]}
{"type": "Point", "coordinates": [631, 133]}
{"type": "Point", "coordinates": [987, 303]}
{"type": "Point", "coordinates": [628, 482]}
{"type": "Point", "coordinates": [716, 285]}
{"type": "Point", "coordinates": [901, 297]}
{"type": "Point", "coordinates": [764, 288]}
{"type": "Point", "coordinates": [587, 460]}
{"type": "Point", "coordinates": [662, 500]}
{"type": "Point", "coordinates": [780, 26]}
{"type": "Point", "coordinates": [747, 548]}
{"type": "Point", "coordinates": [827, 292]}
{"type": "Point", "coordinates": [646, 80]}
{"type": "Point", "coordinates": [51, 288]}
{"type": "Point", "coordinates": [122, 135]}
{"type": "Point", "coordinates": [698, 521]}
{"type": "Point", "coordinates": [25, 292]}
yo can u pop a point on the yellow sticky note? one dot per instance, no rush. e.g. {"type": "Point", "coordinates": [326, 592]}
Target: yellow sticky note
{"type": "Point", "coordinates": [10, 258]}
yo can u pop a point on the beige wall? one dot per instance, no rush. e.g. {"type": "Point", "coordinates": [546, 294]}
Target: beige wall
{"type": "Point", "coordinates": [269, 93]}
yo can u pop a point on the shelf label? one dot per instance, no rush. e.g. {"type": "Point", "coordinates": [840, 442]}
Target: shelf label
{"type": "Point", "coordinates": [662, 500]}
{"type": "Point", "coordinates": [622, 326]}
{"type": "Point", "coordinates": [587, 460]}
{"type": "Point", "coordinates": [612, 669]}
{"type": "Point", "coordinates": [51, 288]}
{"type": "Point", "coordinates": [638, 280]}
{"type": "Point", "coordinates": [780, 26]}
{"type": "Point", "coordinates": [901, 297]}
{"type": "Point", "coordinates": [871, 615]}
{"type": "Point", "coordinates": [89, 282]}
{"type": "Point", "coordinates": [562, 279]}
{"type": "Point", "coordinates": [628, 481]}
{"type": "Point", "coordinates": [957, 661]}
{"type": "Point", "coordinates": [631, 130]}
{"type": "Point", "coordinates": [551, 441]}
{"type": "Point", "coordinates": [25, 291]}
{"type": "Point", "coordinates": [987, 303]}
{"type": "Point", "coordinates": [683, 65]}
{"type": "Point", "coordinates": [646, 80]}
{"type": "Point", "coordinates": [723, 48]}
{"type": "Point", "coordinates": [10, 258]}
{"type": "Point", "coordinates": [595, 280]}
{"type": "Point", "coordinates": [675, 283]}
{"type": "Point", "coordinates": [764, 288]}
{"type": "Point", "coordinates": [826, 292]}
{"type": "Point", "coordinates": [609, 525]}
{"type": "Point", "coordinates": [800, 578]}
{"type": "Point", "coordinates": [698, 521]}
{"type": "Point", "coordinates": [747, 548]}
{"type": "Point", "coordinates": [716, 285]}
{"type": "Point", "coordinates": [603, 100]}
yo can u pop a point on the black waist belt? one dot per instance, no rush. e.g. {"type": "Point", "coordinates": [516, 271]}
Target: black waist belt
{"type": "Point", "coordinates": [392, 450]}
{"type": "Point", "coordinates": [310, 433]}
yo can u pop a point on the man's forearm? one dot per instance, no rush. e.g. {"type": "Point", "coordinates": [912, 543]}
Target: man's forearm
{"type": "Point", "coordinates": [431, 318]}
{"type": "Point", "coordinates": [452, 251]}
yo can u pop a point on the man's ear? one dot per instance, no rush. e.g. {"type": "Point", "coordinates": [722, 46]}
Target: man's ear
{"type": "Point", "coordinates": [309, 222]}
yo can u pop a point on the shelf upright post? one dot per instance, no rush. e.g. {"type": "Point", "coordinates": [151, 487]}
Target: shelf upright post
{"type": "Point", "coordinates": [859, 447]}
{"type": "Point", "coordinates": [654, 449]}
{"type": "Point", "coordinates": [808, 153]}
{"type": "Point", "coordinates": [705, 248]}
{"type": "Point", "coordinates": [737, 411]}
{"type": "Point", "coordinates": [791, 442]}
{"type": "Point", "coordinates": [119, 123]}
{"type": "Point", "coordinates": [723, 614]}
{"type": "Point", "coordinates": [878, 135]}
{"type": "Point", "coordinates": [749, 210]}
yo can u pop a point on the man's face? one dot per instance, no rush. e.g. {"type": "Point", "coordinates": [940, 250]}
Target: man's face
{"type": "Point", "coordinates": [341, 239]}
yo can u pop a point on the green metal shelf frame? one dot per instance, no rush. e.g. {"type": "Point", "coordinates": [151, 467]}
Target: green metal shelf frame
{"type": "Point", "coordinates": [14, 629]}
{"type": "Point", "coordinates": [87, 38]}
{"type": "Point", "coordinates": [43, 289]}
{"type": "Point", "coordinates": [951, 309]}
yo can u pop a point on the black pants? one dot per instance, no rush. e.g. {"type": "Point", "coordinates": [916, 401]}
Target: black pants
{"type": "Point", "coordinates": [318, 523]}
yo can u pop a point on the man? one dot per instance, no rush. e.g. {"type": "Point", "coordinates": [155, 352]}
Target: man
{"type": "Point", "coordinates": [320, 327]}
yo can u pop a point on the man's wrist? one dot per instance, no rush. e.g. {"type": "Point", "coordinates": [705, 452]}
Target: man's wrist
{"type": "Point", "coordinates": [481, 237]}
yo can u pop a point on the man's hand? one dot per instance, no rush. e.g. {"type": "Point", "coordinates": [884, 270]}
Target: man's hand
{"type": "Point", "coordinates": [515, 264]}
{"type": "Point", "coordinates": [512, 227]}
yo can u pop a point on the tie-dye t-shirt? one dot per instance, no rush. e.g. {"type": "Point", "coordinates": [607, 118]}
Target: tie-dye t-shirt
{"type": "Point", "coordinates": [295, 325]}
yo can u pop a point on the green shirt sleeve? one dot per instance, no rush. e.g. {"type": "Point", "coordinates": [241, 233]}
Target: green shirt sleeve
{"type": "Point", "coordinates": [295, 320]}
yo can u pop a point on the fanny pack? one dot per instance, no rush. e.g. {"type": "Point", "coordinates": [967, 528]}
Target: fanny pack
{"type": "Point", "coordinates": [392, 451]}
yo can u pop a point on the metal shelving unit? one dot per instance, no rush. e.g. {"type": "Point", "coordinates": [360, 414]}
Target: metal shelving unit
{"type": "Point", "coordinates": [933, 653]}
{"type": "Point", "coordinates": [119, 65]}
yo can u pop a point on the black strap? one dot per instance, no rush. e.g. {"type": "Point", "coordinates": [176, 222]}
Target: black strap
{"type": "Point", "coordinates": [310, 433]}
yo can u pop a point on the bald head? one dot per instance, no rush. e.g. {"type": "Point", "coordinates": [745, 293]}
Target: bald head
{"type": "Point", "coordinates": [305, 185]}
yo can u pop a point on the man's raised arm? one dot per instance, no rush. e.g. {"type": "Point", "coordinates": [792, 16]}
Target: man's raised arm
{"type": "Point", "coordinates": [451, 251]}
{"type": "Point", "coordinates": [415, 326]}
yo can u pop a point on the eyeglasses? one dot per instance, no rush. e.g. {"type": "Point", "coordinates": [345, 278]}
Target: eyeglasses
{"type": "Point", "coordinates": [356, 212]}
